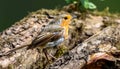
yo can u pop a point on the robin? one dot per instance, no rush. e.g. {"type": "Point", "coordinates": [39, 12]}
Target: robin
{"type": "Point", "coordinates": [54, 34]}
{"type": "Point", "coordinates": [51, 35]}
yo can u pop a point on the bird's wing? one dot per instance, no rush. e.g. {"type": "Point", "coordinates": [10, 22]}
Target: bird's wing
{"type": "Point", "coordinates": [43, 39]}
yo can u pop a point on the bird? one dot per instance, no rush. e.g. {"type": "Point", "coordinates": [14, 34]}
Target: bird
{"type": "Point", "coordinates": [51, 35]}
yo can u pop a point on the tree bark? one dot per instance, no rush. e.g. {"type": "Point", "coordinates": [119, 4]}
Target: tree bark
{"type": "Point", "coordinates": [78, 57]}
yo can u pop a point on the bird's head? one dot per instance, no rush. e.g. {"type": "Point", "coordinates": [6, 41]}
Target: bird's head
{"type": "Point", "coordinates": [61, 23]}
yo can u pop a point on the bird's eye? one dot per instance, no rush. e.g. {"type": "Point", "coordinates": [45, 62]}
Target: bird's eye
{"type": "Point", "coordinates": [65, 18]}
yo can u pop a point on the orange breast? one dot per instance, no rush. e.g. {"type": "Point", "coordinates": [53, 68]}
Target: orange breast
{"type": "Point", "coordinates": [65, 24]}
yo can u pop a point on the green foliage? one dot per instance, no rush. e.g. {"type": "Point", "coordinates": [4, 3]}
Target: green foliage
{"type": "Point", "coordinates": [85, 3]}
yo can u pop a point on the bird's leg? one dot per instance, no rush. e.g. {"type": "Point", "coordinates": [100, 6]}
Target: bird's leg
{"type": "Point", "coordinates": [47, 55]}
{"type": "Point", "coordinates": [49, 45]}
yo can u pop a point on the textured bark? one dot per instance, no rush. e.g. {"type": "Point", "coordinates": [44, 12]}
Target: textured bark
{"type": "Point", "coordinates": [78, 57]}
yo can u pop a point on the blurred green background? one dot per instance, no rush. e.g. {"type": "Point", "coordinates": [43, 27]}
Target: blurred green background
{"type": "Point", "coordinates": [14, 10]}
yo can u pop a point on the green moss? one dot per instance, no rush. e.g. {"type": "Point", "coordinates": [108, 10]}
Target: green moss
{"type": "Point", "coordinates": [10, 66]}
{"type": "Point", "coordinates": [62, 49]}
